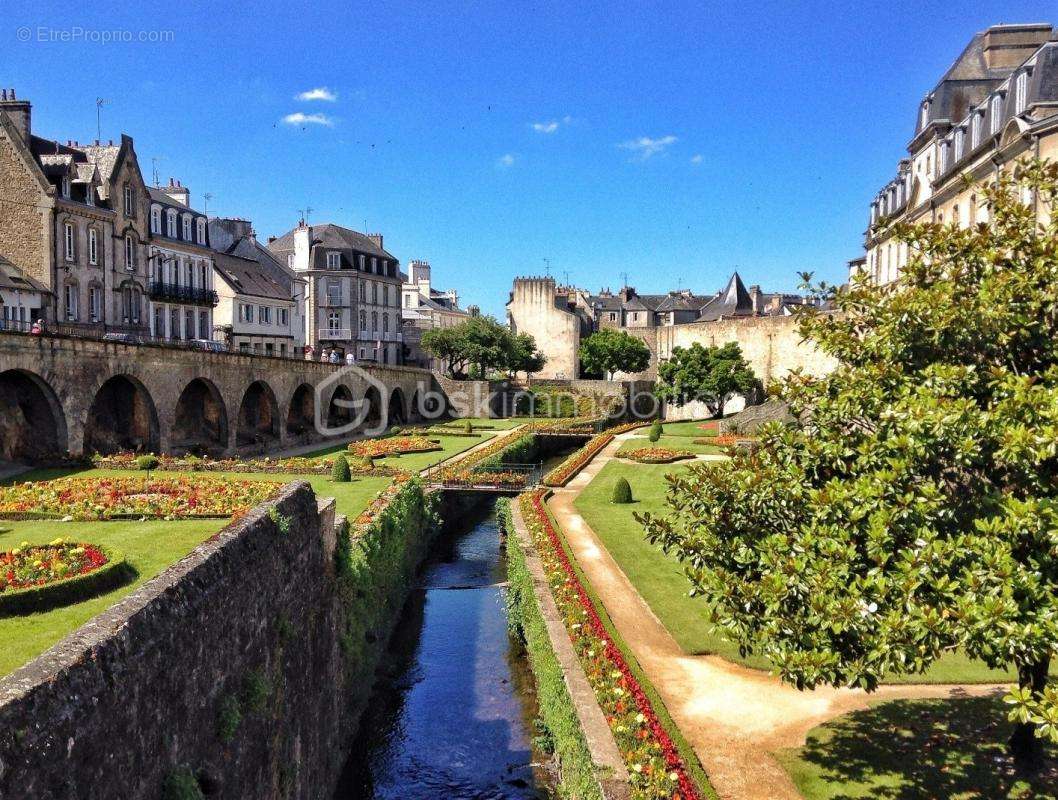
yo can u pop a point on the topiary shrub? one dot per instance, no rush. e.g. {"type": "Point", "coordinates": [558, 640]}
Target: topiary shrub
{"type": "Point", "coordinates": [622, 492]}
{"type": "Point", "coordinates": [468, 427]}
{"type": "Point", "coordinates": [396, 430]}
{"type": "Point", "coordinates": [340, 471]}
{"type": "Point", "coordinates": [655, 431]}
{"type": "Point", "coordinates": [147, 463]}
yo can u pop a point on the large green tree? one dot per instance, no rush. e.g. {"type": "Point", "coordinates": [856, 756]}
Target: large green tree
{"type": "Point", "coordinates": [709, 375]}
{"type": "Point", "coordinates": [479, 346]}
{"type": "Point", "coordinates": [610, 350]}
{"type": "Point", "coordinates": [915, 510]}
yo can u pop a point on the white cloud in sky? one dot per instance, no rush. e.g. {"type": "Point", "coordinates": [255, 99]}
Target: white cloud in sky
{"type": "Point", "coordinates": [506, 160]}
{"type": "Point", "coordinates": [646, 147]}
{"type": "Point", "coordinates": [696, 158]}
{"type": "Point", "coordinates": [297, 118]}
{"type": "Point", "coordinates": [319, 93]}
{"type": "Point", "coordinates": [552, 125]}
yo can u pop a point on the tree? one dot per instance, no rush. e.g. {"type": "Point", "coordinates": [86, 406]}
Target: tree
{"type": "Point", "coordinates": [915, 511]}
{"type": "Point", "coordinates": [447, 345]}
{"type": "Point", "coordinates": [709, 375]}
{"type": "Point", "coordinates": [610, 350]}
{"type": "Point", "coordinates": [480, 345]}
{"type": "Point", "coordinates": [522, 355]}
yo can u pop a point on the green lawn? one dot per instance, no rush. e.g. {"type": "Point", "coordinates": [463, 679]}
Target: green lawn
{"type": "Point", "coordinates": [670, 441]}
{"type": "Point", "coordinates": [690, 430]}
{"type": "Point", "coordinates": [149, 547]}
{"type": "Point", "coordinates": [912, 749]}
{"type": "Point", "coordinates": [662, 583]}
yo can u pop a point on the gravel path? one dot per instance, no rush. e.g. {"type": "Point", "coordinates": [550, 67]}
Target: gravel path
{"type": "Point", "coordinates": [733, 716]}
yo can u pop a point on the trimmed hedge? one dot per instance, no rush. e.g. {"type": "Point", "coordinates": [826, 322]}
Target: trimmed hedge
{"type": "Point", "coordinates": [576, 769]}
{"type": "Point", "coordinates": [622, 492]}
{"type": "Point", "coordinates": [69, 590]}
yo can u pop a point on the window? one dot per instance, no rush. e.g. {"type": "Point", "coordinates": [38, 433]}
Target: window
{"type": "Point", "coordinates": [363, 291]}
{"type": "Point", "coordinates": [130, 210]}
{"type": "Point", "coordinates": [283, 317]}
{"type": "Point", "coordinates": [363, 320]}
{"type": "Point", "coordinates": [269, 348]}
{"type": "Point", "coordinates": [64, 186]}
{"type": "Point", "coordinates": [960, 143]}
{"type": "Point", "coordinates": [244, 347]}
{"type": "Point", "coordinates": [71, 302]}
{"type": "Point", "coordinates": [385, 323]}
{"type": "Point", "coordinates": [189, 325]}
{"type": "Point", "coordinates": [334, 321]}
{"type": "Point", "coordinates": [201, 230]}
{"type": "Point", "coordinates": [264, 315]}
{"type": "Point", "coordinates": [374, 322]}
{"type": "Point", "coordinates": [156, 219]}
{"type": "Point", "coordinates": [334, 261]}
{"type": "Point", "coordinates": [174, 324]}
{"type": "Point", "coordinates": [67, 239]}
{"type": "Point", "coordinates": [203, 325]}
{"type": "Point", "coordinates": [1021, 92]}
{"type": "Point", "coordinates": [170, 223]}
{"type": "Point", "coordinates": [923, 117]}
{"type": "Point", "coordinates": [95, 304]}
{"type": "Point", "coordinates": [187, 228]}
{"type": "Point", "coordinates": [245, 313]}
{"type": "Point", "coordinates": [159, 322]}
{"type": "Point", "coordinates": [89, 195]}
{"type": "Point", "coordinates": [290, 261]}
{"type": "Point", "coordinates": [374, 293]}
{"type": "Point", "coordinates": [996, 111]}
{"type": "Point", "coordinates": [360, 258]}
{"type": "Point", "coordinates": [334, 293]}
{"type": "Point", "coordinates": [130, 304]}
{"type": "Point", "coordinates": [203, 275]}
{"type": "Point", "coordinates": [374, 265]}
{"type": "Point", "coordinates": [975, 129]}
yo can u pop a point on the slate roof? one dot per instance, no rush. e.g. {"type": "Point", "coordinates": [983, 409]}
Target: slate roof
{"type": "Point", "coordinates": [247, 267]}
{"type": "Point", "coordinates": [334, 237]}
{"type": "Point", "coordinates": [11, 277]}
{"type": "Point", "coordinates": [732, 301]}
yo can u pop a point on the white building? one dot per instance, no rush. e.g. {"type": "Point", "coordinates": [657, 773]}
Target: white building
{"type": "Point", "coordinates": [424, 308]}
{"type": "Point", "coordinates": [261, 308]}
{"type": "Point", "coordinates": [22, 299]}
{"type": "Point", "coordinates": [180, 291]}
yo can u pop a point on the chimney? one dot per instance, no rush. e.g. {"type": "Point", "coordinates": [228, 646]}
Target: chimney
{"type": "Point", "coordinates": [376, 238]}
{"type": "Point", "coordinates": [180, 194]}
{"type": "Point", "coordinates": [18, 111]}
{"type": "Point", "coordinates": [302, 245]}
{"type": "Point", "coordinates": [1007, 46]}
{"type": "Point", "coordinates": [754, 296]}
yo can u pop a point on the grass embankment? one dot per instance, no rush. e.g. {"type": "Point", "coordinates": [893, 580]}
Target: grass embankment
{"type": "Point", "coordinates": [904, 749]}
{"type": "Point", "coordinates": [565, 738]}
{"type": "Point", "coordinates": [660, 578]}
{"type": "Point", "coordinates": [149, 548]}
{"type": "Point", "coordinates": [639, 441]}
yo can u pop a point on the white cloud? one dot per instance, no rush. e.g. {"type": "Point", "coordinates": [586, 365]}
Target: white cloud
{"type": "Point", "coordinates": [506, 160]}
{"type": "Point", "coordinates": [696, 158]}
{"type": "Point", "coordinates": [319, 93]}
{"type": "Point", "coordinates": [551, 125]}
{"type": "Point", "coordinates": [297, 118]}
{"type": "Point", "coordinates": [646, 147]}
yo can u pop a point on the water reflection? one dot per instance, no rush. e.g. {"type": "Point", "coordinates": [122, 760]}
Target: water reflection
{"type": "Point", "coordinates": [449, 718]}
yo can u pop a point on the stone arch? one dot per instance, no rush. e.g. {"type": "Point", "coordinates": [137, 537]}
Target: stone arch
{"type": "Point", "coordinates": [397, 413]}
{"type": "Point", "coordinates": [340, 411]}
{"type": "Point", "coordinates": [258, 415]}
{"type": "Point", "coordinates": [374, 407]}
{"type": "Point", "coordinates": [32, 422]}
{"type": "Point", "coordinates": [200, 422]}
{"type": "Point", "coordinates": [415, 409]}
{"type": "Point", "coordinates": [122, 417]}
{"type": "Point", "coordinates": [301, 415]}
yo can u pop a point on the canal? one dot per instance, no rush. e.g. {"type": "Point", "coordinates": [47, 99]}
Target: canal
{"type": "Point", "coordinates": [453, 710]}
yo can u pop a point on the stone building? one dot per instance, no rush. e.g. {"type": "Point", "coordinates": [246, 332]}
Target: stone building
{"type": "Point", "coordinates": [73, 219]}
{"type": "Point", "coordinates": [560, 317]}
{"type": "Point", "coordinates": [424, 308]}
{"type": "Point", "coordinates": [22, 299]}
{"type": "Point", "coordinates": [353, 290]}
{"type": "Point", "coordinates": [261, 301]}
{"type": "Point", "coordinates": [181, 293]}
{"type": "Point", "coordinates": [996, 104]}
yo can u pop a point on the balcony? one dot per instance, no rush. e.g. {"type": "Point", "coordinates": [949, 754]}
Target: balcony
{"type": "Point", "coordinates": [189, 295]}
{"type": "Point", "coordinates": [335, 334]}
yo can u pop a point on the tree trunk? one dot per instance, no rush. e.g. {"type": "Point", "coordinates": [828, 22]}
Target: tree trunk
{"type": "Point", "coordinates": [1025, 746]}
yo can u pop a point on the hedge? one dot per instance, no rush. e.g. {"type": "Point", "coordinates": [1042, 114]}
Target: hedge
{"type": "Point", "coordinates": [69, 590]}
{"type": "Point", "coordinates": [576, 769]}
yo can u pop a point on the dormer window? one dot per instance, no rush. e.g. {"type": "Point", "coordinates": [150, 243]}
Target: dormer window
{"type": "Point", "coordinates": [90, 195]}
{"type": "Point", "coordinates": [290, 260]}
{"type": "Point", "coordinates": [201, 230]}
{"type": "Point", "coordinates": [187, 228]}
{"type": "Point", "coordinates": [156, 219]}
{"type": "Point", "coordinates": [975, 129]}
{"type": "Point", "coordinates": [995, 110]}
{"type": "Point", "coordinates": [923, 117]}
{"type": "Point", "coordinates": [64, 186]}
{"type": "Point", "coordinates": [1021, 92]}
{"type": "Point", "coordinates": [334, 261]}
{"type": "Point", "coordinates": [374, 265]}
{"type": "Point", "coordinates": [170, 223]}
{"type": "Point", "coordinates": [959, 143]}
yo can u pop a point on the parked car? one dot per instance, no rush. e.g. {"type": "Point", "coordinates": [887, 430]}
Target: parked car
{"type": "Point", "coordinates": [208, 345]}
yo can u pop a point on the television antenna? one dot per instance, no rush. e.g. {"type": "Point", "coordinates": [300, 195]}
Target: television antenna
{"type": "Point", "coordinates": [547, 266]}
{"type": "Point", "coordinates": [154, 167]}
{"type": "Point", "coordinates": [207, 197]}
{"type": "Point", "coordinates": [100, 102]}
{"type": "Point", "coordinates": [624, 277]}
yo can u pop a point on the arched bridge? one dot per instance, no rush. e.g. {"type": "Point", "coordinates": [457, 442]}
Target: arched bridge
{"type": "Point", "coordinates": [65, 395]}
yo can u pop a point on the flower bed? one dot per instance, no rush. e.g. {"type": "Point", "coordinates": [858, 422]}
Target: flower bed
{"type": "Point", "coordinates": [492, 450]}
{"type": "Point", "coordinates": [38, 577]}
{"type": "Point", "coordinates": [655, 767]}
{"type": "Point", "coordinates": [455, 432]}
{"type": "Point", "coordinates": [133, 498]}
{"type": "Point", "coordinates": [268, 466]}
{"type": "Point", "coordinates": [394, 446]}
{"type": "Point", "coordinates": [656, 455]}
{"type": "Point", "coordinates": [564, 472]}
{"type": "Point", "coordinates": [473, 477]}
{"type": "Point", "coordinates": [711, 428]}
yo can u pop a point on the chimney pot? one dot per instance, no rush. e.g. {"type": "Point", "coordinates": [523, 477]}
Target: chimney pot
{"type": "Point", "coordinates": [13, 94]}
{"type": "Point", "coordinates": [111, 143]}
{"type": "Point", "coordinates": [3, 94]}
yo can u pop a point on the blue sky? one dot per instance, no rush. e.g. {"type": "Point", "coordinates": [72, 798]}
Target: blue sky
{"type": "Point", "coordinates": [671, 142]}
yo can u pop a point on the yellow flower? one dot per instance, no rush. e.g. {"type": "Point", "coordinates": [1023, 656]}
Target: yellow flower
{"type": "Point", "coordinates": [637, 767]}
{"type": "Point", "coordinates": [640, 719]}
{"type": "Point", "coordinates": [673, 777]}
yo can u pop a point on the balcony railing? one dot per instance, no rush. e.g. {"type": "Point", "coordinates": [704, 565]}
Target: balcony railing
{"type": "Point", "coordinates": [336, 334]}
{"type": "Point", "coordinates": [174, 293]}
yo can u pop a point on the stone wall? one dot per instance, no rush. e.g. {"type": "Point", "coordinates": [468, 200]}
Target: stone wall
{"type": "Point", "coordinates": [229, 666]}
{"type": "Point", "coordinates": [532, 309]}
{"type": "Point", "coordinates": [25, 208]}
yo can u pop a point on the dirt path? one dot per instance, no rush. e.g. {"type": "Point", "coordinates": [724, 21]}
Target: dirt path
{"type": "Point", "coordinates": [733, 716]}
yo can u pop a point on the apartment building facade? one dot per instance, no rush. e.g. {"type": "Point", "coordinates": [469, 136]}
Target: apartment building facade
{"type": "Point", "coordinates": [353, 291]}
{"type": "Point", "coordinates": [996, 104]}
{"type": "Point", "coordinates": [424, 308]}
